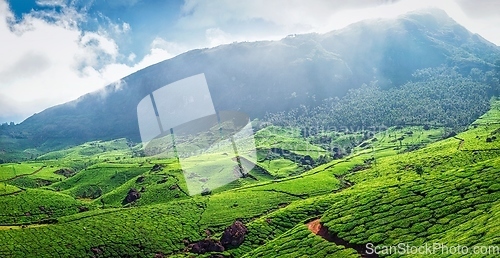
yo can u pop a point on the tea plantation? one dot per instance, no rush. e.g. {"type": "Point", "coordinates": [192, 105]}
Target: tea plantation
{"type": "Point", "coordinates": [415, 185]}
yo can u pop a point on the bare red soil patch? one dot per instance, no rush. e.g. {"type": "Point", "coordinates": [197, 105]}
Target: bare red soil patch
{"type": "Point", "coordinates": [318, 229]}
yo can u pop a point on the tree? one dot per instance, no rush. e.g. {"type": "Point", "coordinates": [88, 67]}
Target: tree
{"type": "Point", "coordinates": [419, 170]}
{"type": "Point", "coordinates": [496, 85]}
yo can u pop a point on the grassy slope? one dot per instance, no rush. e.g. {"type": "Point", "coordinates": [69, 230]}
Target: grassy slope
{"type": "Point", "coordinates": [287, 139]}
{"type": "Point", "coordinates": [33, 205]}
{"type": "Point", "coordinates": [11, 170]}
{"type": "Point", "coordinates": [6, 189]}
{"type": "Point", "coordinates": [98, 180]}
{"type": "Point", "coordinates": [455, 200]}
{"type": "Point", "coordinates": [300, 242]}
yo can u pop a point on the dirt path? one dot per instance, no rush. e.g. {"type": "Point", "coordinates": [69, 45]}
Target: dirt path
{"type": "Point", "coordinates": [247, 163]}
{"type": "Point", "coordinates": [23, 175]}
{"type": "Point", "coordinates": [13, 193]}
{"type": "Point", "coordinates": [22, 227]}
{"type": "Point", "coordinates": [461, 143]}
{"type": "Point", "coordinates": [319, 230]}
{"type": "Point", "coordinates": [19, 176]}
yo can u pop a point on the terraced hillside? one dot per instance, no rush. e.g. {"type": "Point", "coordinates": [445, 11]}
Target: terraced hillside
{"type": "Point", "coordinates": [401, 185]}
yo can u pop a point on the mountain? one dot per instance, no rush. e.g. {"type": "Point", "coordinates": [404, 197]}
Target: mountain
{"type": "Point", "coordinates": [268, 76]}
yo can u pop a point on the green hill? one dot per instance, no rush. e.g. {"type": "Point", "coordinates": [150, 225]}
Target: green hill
{"type": "Point", "coordinates": [299, 71]}
{"type": "Point", "coordinates": [445, 191]}
{"type": "Point", "coordinates": [384, 133]}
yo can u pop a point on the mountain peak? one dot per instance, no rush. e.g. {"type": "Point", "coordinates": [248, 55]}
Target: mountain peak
{"type": "Point", "coordinates": [426, 12]}
{"type": "Point", "coordinates": [268, 77]}
{"type": "Point", "coordinates": [430, 18]}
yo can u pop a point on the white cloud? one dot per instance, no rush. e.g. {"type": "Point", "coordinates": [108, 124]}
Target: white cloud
{"type": "Point", "coordinates": [296, 16]}
{"type": "Point", "coordinates": [126, 3]}
{"type": "Point", "coordinates": [160, 50]}
{"type": "Point", "coordinates": [47, 63]}
{"type": "Point", "coordinates": [482, 17]}
{"type": "Point", "coordinates": [27, 66]}
{"type": "Point", "coordinates": [216, 36]}
{"type": "Point", "coordinates": [131, 57]}
{"type": "Point", "coordinates": [125, 27]}
{"type": "Point", "coordinates": [172, 47]}
{"type": "Point", "coordinates": [110, 28]}
{"type": "Point", "coordinates": [289, 14]}
{"type": "Point", "coordinates": [51, 2]}
{"type": "Point", "coordinates": [95, 50]}
{"type": "Point", "coordinates": [117, 28]}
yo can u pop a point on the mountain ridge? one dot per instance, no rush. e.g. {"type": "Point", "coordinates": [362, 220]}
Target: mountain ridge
{"type": "Point", "coordinates": [271, 76]}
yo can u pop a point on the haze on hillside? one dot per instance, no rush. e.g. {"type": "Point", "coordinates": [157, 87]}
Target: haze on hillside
{"type": "Point", "coordinates": [94, 44]}
{"type": "Point", "coordinates": [380, 139]}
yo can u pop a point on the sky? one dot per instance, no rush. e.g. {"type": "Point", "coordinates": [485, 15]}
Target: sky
{"type": "Point", "coordinates": [53, 51]}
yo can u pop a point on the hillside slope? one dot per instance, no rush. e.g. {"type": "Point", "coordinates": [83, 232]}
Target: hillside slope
{"type": "Point", "coordinates": [446, 192]}
{"type": "Point", "coordinates": [267, 77]}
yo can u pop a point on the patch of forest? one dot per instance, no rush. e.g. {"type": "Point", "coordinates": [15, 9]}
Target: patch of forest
{"type": "Point", "coordinates": [436, 97]}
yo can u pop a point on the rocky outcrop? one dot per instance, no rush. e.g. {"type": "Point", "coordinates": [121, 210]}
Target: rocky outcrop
{"type": "Point", "coordinates": [234, 235]}
{"type": "Point", "coordinates": [206, 245]}
{"type": "Point", "coordinates": [66, 172]}
{"type": "Point", "coordinates": [132, 196]}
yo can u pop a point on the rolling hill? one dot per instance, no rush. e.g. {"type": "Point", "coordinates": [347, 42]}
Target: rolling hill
{"type": "Point", "coordinates": [383, 194]}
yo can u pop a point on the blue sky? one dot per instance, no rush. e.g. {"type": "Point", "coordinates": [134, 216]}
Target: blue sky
{"type": "Point", "coordinates": [140, 15]}
{"type": "Point", "coordinates": [54, 51]}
